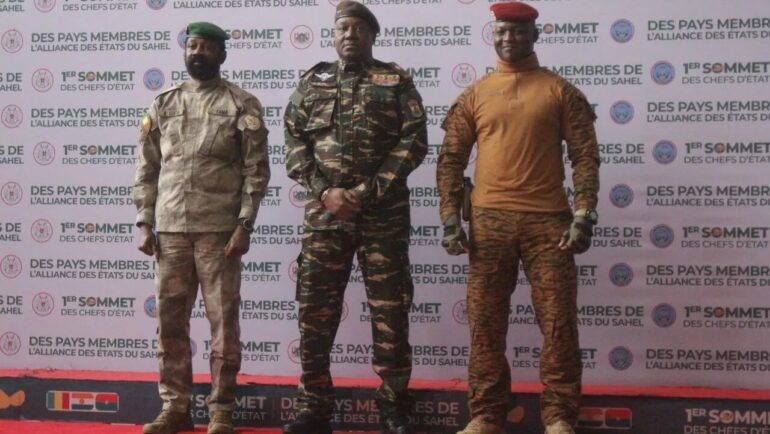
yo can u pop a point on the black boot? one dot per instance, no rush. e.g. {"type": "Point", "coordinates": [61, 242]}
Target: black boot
{"type": "Point", "coordinates": [395, 422]}
{"type": "Point", "coordinates": [308, 423]}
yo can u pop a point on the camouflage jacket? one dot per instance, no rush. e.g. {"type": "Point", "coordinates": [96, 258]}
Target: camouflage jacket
{"type": "Point", "coordinates": [360, 127]}
{"type": "Point", "coordinates": [202, 159]}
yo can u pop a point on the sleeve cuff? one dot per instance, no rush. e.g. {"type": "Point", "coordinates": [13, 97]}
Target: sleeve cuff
{"type": "Point", "coordinates": [146, 217]}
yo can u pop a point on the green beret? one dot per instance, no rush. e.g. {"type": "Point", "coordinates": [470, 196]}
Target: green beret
{"type": "Point", "coordinates": [206, 30]}
{"type": "Point", "coordinates": [350, 8]}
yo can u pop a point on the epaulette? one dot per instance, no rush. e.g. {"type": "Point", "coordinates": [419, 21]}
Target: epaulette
{"type": "Point", "coordinates": [169, 89]}
{"type": "Point", "coordinates": [316, 67]}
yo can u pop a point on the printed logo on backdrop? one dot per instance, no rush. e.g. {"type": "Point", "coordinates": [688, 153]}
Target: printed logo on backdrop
{"type": "Point", "coordinates": [11, 193]}
{"type": "Point", "coordinates": [181, 38]}
{"type": "Point", "coordinates": [334, 2]}
{"type": "Point", "coordinates": [12, 41]}
{"type": "Point", "coordinates": [151, 306]}
{"type": "Point", "coordinates": [154, 79]}
{"type": "Point", "coordinates": [664, 152]}
{"type": "Point", "coordinates": [301, 37]}
{"type": "Point", "coordinates": [298, 196]}
{"type": "Point", "coordinates": [466, 2]}
{"type": "Point", "coordinates": [664, 315]}
{"type": "Point", "coordinates": [460, 312]}
{"type": "Point", "coordinates": [662, 72]}
{"type": "Point", "coordinates": [42, 304]}
{"type": "Point", "coordinates": [10, 343]}
{"type": "Point", "coordinates": [622, 31]}
{"type": "Point", "coordinates": [41, 230]}
{"type": "Point", "coordinates": [622, 112]}
{"type": "Point", "coordinates": [621, 358]}
{"type": "Point", "coordinates": [193, 347]}
{"type": "Point", "coordinates": [45, 5]}
{"type": "Point", "coordinates": [662, 236]}
{"type": "Point", "coordinates": [293, 269]}
{"type": "Point", "coordinates": [42, 80]}
{"type": "Point", "coordinates": [621, 274]}
{"type": "Point", "coordinates": [621, 195]}
{"type": "Point", "coordinates": [292, 350]}
{"type": "Point", "coordinates": [11, 116]}
{"type": "Point", "coordinates": [156, 4]}
{"type": "Point", "coordinates": [605, 418]}
{"type": "Point", "coordinates": [463, 75]}
{"type": "Point", "coordinates": [487, 33]}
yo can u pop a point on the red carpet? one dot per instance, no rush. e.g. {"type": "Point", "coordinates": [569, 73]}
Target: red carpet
{"type": "Point", "coordinates": [33, 427]}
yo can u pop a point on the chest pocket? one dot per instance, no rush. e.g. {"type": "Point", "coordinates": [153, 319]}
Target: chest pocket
{"type": "Point", "coordinates": [382, 111]}
{"type": "Point", "coordinates": [320, 103]}
{"type": "Point", "coordinates": [219, 139]}
{"type": "Point", "coordinates": [171, 122]}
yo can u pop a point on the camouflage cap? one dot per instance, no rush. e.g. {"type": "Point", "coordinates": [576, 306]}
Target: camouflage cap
{"type": "Point", "coordinates": [202, 29]}
{"type": "Point", "coordinates": [350, 8]}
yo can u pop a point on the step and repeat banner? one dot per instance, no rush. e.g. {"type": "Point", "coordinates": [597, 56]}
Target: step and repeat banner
{"type": "Point", "coordinates": [674, 291]}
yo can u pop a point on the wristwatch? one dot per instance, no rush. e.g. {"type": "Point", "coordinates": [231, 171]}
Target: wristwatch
{"type": "Point", "coordinates": [246, 224]}
{"type": "Point", "coordinates": [590, 214]}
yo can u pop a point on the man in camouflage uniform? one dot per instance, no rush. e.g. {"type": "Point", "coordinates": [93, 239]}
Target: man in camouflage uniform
{"type": "Point", "coordinates": [202, 173]}
{"type": "Point", "coordinates": [518, 116]}
{"type": "Point", "coordinates": [355, 129]}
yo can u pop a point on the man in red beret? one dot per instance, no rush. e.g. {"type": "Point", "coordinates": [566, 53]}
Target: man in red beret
{"type": "Point", "coordinates": [519, 115]}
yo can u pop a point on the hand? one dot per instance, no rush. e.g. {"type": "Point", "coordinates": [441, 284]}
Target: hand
{"type": "Point", "coordinates": [148, 243]}
{"type": "Point", "coordinates": [341, 204]}
{"type": "Point", "coordinates": [238, 244]}
{"type": "Point", "coordinates": [455, 242]}
{"type": "Point", "coordinates": [578, 237]}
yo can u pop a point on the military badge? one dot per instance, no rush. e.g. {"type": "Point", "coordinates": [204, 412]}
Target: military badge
{"type": "Point", "coordinates": [252, 122]}
{"type": "Point", "coordinates": [386, 79]}
{"type": "Point", "coordinates": [146, 124]}
{"type": "Point", "coordinates": [324, 76]}
{"type": "Point", "coordinates": [414, 107]}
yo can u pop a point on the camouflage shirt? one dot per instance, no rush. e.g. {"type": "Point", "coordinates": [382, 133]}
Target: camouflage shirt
{"type": "Point", "coordinates": [360, 127]}
{"type": "Point", "coordinates": [202, 159]}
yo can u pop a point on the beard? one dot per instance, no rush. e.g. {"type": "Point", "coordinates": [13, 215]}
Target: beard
{"type": "Point", "coordinates": [201, 68]}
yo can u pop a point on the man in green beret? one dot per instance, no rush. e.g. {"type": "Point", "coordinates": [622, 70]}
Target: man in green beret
{"type": "Point", "coordinates": [202, 172]}
{"type": "Point", "coordinates": [355, 129]}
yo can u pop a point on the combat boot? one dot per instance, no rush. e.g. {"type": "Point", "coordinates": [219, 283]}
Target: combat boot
{"type": "Point", "coordinates": [221, 422]}
{"type": "Point", "coordinates": [308, 423]}
{"type": "Point", "coordinates": [559, 427]}
{"type": "Point", "coordinates": [396, 423]}
{"type": "Point", "coordinates": [169, 422]}
{"type": "Point", "coordinates": [481, 426]}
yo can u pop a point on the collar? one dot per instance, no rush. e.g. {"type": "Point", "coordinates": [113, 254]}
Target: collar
{"type": "Point", "coordinates": [194, 85]}
{"type": "Point", "coordinates": [526, 64]}
{"type": "Point", "coordinates": [355, 66]}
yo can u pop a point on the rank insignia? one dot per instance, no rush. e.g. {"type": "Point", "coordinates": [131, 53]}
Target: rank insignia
{"type": "Point", "coordinates": [414, 107]}
{"type": "Point", "coordinates": [386, 79]}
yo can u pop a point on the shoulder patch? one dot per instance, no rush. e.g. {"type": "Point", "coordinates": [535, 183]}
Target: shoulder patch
{"type": "Point", "coordinates": [146, 124]}
{"type": "Point", "coordinates": [252, 122]}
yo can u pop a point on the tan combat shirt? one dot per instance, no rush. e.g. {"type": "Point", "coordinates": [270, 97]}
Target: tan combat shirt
{"type": "Point", "coordinates": [203, 161]}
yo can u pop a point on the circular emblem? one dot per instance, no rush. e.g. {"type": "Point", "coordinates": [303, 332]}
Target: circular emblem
{"type": "Point", "coordinates": [717, 68]}
{"type": "Point", "coordinates": [292, 350]}
{"type": "Point", "coordinates": [716, 232]}
{"type": "Point", "coordinates": [298, 196]}
{"type": "Point", "coordinates": [460, 312]}
{"type": "Point", "coordinates": [664, 315]}
{"type": "Point", "coordinates": [466, 2]}
{"type": "Point", "coordinates": [301, 37]}
{"type": "Point", "coordinates": [44, 153]}
{"type": "Point", "coordinates": [154, 79]}
{"type": "Point", "coordinates": [156, 4]}
{"type": "Point", "coordinates": [664, 152]}
{"type": "Point", "coordinates": [516, 415]}
{"type": "Point", "coordinates": [42, 303]}
{"type": "Point", "coordinates": [236, 34]}
{"type": "Point", "coordinates": [11, 116]}
{"type": "Point", "coordinates": [622, 112]}
{"type": "Point", "coordinates": [719, 312]}
{"type": "Point", "coordinates": [621, 195]}
{"type": "Point", "coordinates": [463, 74]}
{"type": "Point", "coordinates": [41, 230]}
{"type": "Point", "coordinates": [10, 343]}
{"type": "Point", "coordinates": [726, 416]}
{"type": "Point", "coordinates": [548, 28]}
{"type": "Point", "coordinates": [621, 358]}
{"type": "Point", "coordinates": [42, 80]}
{"type": "Point", "coordinates": [193, 348]}
{"type": "Point", "coordinates": [621, 274]}
{"type": "Point", "coordinates": [151, 306]}
{"type": "Point", "coordinates": [662, 72]}
{"type": "Point", "coordinates": [662, 236]}
{"type": "Point", "coordinates": [622, 31]}
{"type": "Point", "coordinates": [487, 33]}
{"type": "Point", "coordinates": [12, 41]}
{"type": "Point", "coordinates": [45, 5]}
{"type": "Point", "coordinates": [90, 76]}
{"type": "Point", "coordinates": [720, 147]}
{"type": "Point", "coordinates": [11, 193]}
{"type": "Point", "coordinates": [334, 2]}
{"type": "Point", "coordinates": [345, 311]}
{"type": "Point", "coordinates": [181, 38]}
{"type": "Point", "coordinates": [293, 270]}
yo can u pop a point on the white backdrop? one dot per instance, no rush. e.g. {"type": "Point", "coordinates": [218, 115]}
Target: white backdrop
{"type": "Point", "coordinates": [674, 291]}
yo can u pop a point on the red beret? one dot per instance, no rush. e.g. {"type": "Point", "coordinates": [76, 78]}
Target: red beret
{"type": "Point", "coordinates": [513, 11]}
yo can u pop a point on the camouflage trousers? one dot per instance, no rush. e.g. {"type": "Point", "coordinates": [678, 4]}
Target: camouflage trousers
{"type": "Point", "coordinates": [186, 261]}
{"type": "Point", "coordinates": [499, 240]}
{"type": "Point", "coordinates": [324, 269]}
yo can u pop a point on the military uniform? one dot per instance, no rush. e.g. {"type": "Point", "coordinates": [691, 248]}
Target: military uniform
{"type": "Point", "coordinates": [358, 126]}
{"type": "Point", "coordinates": [202, 166]}
{"type": "Point", "coordinates": [519, 116]}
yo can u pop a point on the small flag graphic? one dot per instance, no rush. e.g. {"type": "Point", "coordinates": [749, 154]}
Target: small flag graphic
{"type": "Point", "coordinates": [82, 401]}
